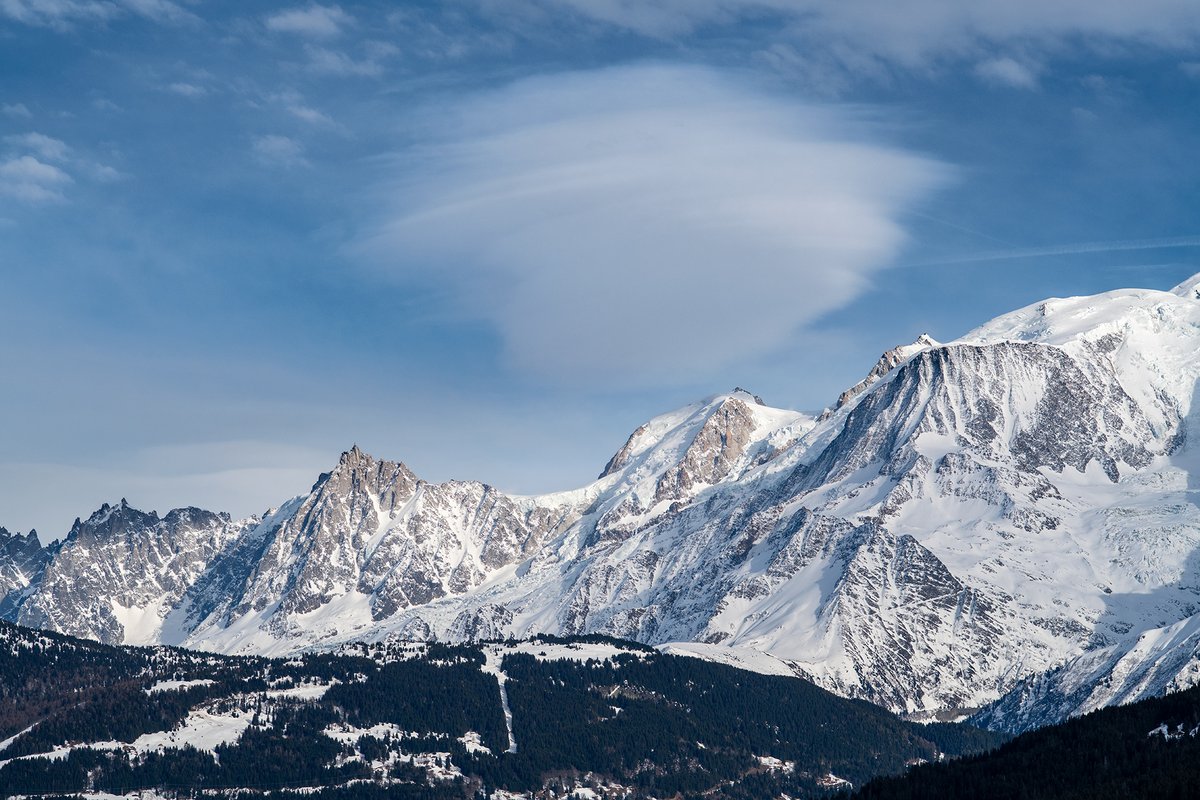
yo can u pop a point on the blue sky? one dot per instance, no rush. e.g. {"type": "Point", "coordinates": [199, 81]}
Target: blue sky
{"type": "Point", "coordinates": [490, 238]}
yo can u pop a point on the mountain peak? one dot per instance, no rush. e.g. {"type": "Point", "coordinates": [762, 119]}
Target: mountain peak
{"type": "Point", "coordinates": [886, 363]}
{"type": "Point", "coordinates": [1189, 288]}
{"type": "Point", "coordinates": [354, 457]}
{"type": "Point", "coordinates": [747, 392]}
{"type": "Point", "coordinates": [956, 527]}
{"type": "Point", "coordinates": [116, 516]}
{"type": "Point", "coordinates": [349, 462]}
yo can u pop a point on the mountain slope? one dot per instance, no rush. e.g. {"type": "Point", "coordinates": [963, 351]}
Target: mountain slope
{"type": "Point", "coordinates": [21, 558]}
{"type": "Point", "coordinates": [1155, 663]}
{"type": "Point", "coordinates": [970, 515]}
{"type": "Point", "coordinates": [116, 575]}
{"type": "Point", "coordinates": [369, 540]}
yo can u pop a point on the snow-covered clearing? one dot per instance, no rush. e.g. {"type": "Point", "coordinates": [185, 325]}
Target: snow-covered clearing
{"type": "Point", "coordinates": [177, 686]}
{"type": "Point", "coordinates": [495, 656]}
{"type": "Point", "coordinates": [203, 729]}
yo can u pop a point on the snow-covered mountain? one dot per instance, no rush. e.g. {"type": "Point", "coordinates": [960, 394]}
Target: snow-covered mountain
{"type": "Point", "coordinates": [21, 557]}
{"type": "Point", "coordinates": [368, 542]}
{"type": "Point", "coordinates": [119, 572]}
{"type": "Point", "coordinates": [969, 515]}
{"type": "Point", "coordinates": [1156, 662]}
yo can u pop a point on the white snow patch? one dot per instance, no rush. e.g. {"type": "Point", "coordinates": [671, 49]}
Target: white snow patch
{"type": "Point", "coordinates": [573, 651]}
{"type": "Point", "coordinates": [474, 743]}
{"type": "Point", "coordinates": [773, 764]}
{"type": "Point", "coordinates": [305, 691]}
{"type": "Point", "coordinates": [831, 781]}
{"type": "Point", "coordinates": [4, 744]}
{"type": "Point", "coordinates": [1166, 733]}
{"type": "Point", "coordinates": [349, 734]}
{"type": "Point", "coordinates": [141, 625]}
{"type": "Point", "coordinates": [203, 729]}
{"type": "Point", "coordinates": [495, 657]}
{"type": "Point", "coordinates": [740, 657]}
{"type": "Point", "coordinates": [176, 686]}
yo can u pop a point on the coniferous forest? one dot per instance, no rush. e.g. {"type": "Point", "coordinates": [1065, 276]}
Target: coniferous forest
{"type": "Point", "coordinates": [427, 721]}
{"type": "Point", "coordinates": [1149, 749]}
{"type": "Point", "coordinates": [406, 720]}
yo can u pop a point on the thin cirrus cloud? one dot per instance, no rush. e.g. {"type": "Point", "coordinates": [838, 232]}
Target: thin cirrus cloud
{"type": "Point", "coordinates": [910, 30]}
{"type": "Point", "coordinates": [184, 89]}
{"type": "Point", "coordinates": [326, 61]}
{"type": "Point", "coordinates": [279, 151]}
{"type": "Point", "coordinates": [1007, 72]}
{"type": "Point", "coordinates": [644, 223]}
{"type": "Point", "coordinates": [65, 14]}
{"type": "Point", "coordinates": [315, 21]}
{"type": "Point", "coordinates": [295, 105]}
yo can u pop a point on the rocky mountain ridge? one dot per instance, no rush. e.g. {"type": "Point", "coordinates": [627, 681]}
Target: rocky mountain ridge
{"type": "Point", "coordinates": [969, 516]}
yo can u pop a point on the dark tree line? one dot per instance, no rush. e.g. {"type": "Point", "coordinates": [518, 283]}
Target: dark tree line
{"type": "Point", "coordinates": [1105, 755]}
{"type": "Point", "coordinates": [664, 725]}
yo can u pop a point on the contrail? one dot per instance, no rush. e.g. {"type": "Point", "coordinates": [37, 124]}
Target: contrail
{"type": "Point", "coordinates": [1070, 249]}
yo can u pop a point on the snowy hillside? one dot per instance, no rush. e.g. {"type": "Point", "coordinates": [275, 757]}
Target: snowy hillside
{"type": "Point", "coordinates": [1156, 662]}
{"type": "Point", "coordinates": [969, 515]}
{"type": "Point", "coordinates": [435, 722]}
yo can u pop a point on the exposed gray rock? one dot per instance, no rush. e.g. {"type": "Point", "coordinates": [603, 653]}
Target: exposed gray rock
{"type": "Point", "coordinates": [118, 574]}
{"type": "Point", "coordinates": [971, 515]}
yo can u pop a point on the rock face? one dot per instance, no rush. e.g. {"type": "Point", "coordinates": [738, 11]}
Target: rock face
{"type": "Point", "coordinates": [117, 575]}
{"type": "Point", "coordinates": [1154, 663]}
{"type": "Point", "coordinates": [370, 540]}
{"type": "Point", "coordinates": [21, 558]}
{"type": "Point", "coordinates": [967, 518]}
{"type": "Point", "coordinates": [886, 363]}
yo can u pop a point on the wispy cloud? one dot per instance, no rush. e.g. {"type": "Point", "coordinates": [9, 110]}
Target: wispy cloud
{"type": "Point", "coordinates": [16, 110]}
{"type": "Point", "coordinates": [280, 151]}
{"type": "Point", "coordinates": [310, 115]}
{"type": "Point", "coordinates": [904, 31]}
{"type": "Point", "coordinates": [1072, 248]}
{"type": "Point", "coordinates": [40, 168]}
{"type": "Point", "coordinates": [51, 13]}
{"type": "Point", "coordinates": [314, 21]}
{"type": "Point", "coordinates": [1006, 71]}
{"type": "Point", "coordinates": [66, 13]}
{"type": "Point", "coordinates": [295, 105]}
{"type": "Point", "coordinates": [45, 146]}
{"type": "Point", "coordinates": [161, 10]}
{"type": "Point", "coordinates": [30, 180]}
{"type": "Point", "coordinates": [102, 173]}
{"type": "Point", "coordinates": [371, 63]}
{"type": "Point", "coordinates": [185, 89]}
{"type": "Point", "coordinates": [716, 218]}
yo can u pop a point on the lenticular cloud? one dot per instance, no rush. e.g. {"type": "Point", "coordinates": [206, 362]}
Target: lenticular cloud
{"type": "Point", "coordinates": [644, 223]}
